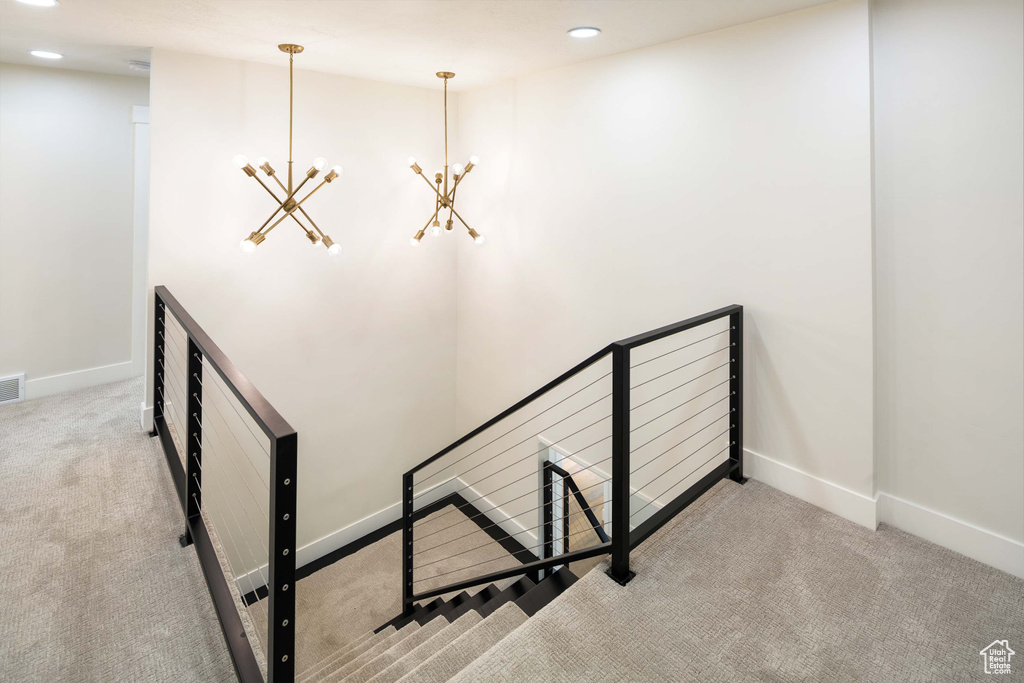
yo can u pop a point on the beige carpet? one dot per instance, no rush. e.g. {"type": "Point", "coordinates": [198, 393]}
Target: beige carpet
{"type": "Point", "coordinates": [754, 585]}
{"type": "Point", "coordinates": [95, 586]}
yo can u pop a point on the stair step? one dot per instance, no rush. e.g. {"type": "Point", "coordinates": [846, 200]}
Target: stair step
{"type": "Point", "coordinates": [464, 650]}
{"type": "Point", "coordinates": [437, 642]}
{"type": "Point", "coordinates": [443, 609]}
{"type": "Point", "coordinates": [547, 590]}
{"type": "Point", "coordinates": [374, 647]}
{"type": "Point", "coordinates": [510, 594]}
{"type": "Point", "coordinates": [361, 674]}
{"type": "Point", "coordinates": [474, 602]}
{"type": "Point", "coordinates": [344, 656]}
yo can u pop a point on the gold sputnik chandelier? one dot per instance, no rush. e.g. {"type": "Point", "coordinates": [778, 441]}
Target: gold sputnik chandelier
{"type": "Point", "coordinates": [445, 195]}
{"type": "Point", "coordinates": [289, 205]}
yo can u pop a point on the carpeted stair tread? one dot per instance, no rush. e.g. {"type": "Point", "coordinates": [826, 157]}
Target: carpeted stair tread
{"type": "Point", "coordinates": [349, 651]}
{"type": "Point", "coordinates": [342, 658]}
{"type": "Point", "coordinates": [547, 590]}
{"type": "Point", "coordinates": [462, 651]}
{"type": "Point", "coordinates": [470, 605]}
{"type": "Point", "coordinates": [370, 653]}
{"type": "Point", "coordinates": [442, 609]}
{"type": "Point", "coordinates": [367, 651]}
{"type": "Point", "coordinates": [392, 654]}
{"type": "Point", "coordinates": [436, 642]}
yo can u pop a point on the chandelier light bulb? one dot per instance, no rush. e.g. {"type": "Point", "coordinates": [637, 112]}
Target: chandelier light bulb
{"type": "Point", "coordinates": [458, 169]}
{"type": "Point", "coordinates": [436, 230]}
{"type": "Point", "coordinates": [319, 163]}
{"type": "Point", "coordinates": [474, 160]}
{"type": "Point", "coordinates": [334, 249]}
{"type": "Point", "coordinates": [411, 161]}
{"type": "Point", "coordinates": [337, 170]}
{"type": "Point", "coordinates": [478, 240]}
{"type": "Point", "coordinates": [240, 161]}
{"type": "Point", "coordinates": [260, 161]}
{"type": "Point", "coordinates": [247, 246]}
{"type": "Point", "coordinates": [413, 242]}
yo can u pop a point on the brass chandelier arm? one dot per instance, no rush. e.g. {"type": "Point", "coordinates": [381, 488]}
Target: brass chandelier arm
{"type": "Point", "coordinates": [431, 219]}
{"type": "Point", "coordinates": [430, 185]}
{"type": "Point", "coordinates": [461, 220]}
{"type": "Point", "coordinates": [322, 183]}
{"type": "Point", "coordinates": [451, 195]}
{"type": "Point", "coordinates": [260, 230]}
{"type": "Point", "coordinates": [315, 227]}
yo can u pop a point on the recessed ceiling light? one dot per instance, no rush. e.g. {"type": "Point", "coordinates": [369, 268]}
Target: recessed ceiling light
{"type": "Point", "coordinates": [40, 3]}
{"type": "Point", "coordinates": [584, 32]}
{"type": "Point", "coordinates": [46, 54]}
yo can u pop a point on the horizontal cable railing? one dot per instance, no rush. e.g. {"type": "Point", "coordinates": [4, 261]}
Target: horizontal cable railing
{"type": "Point", "coordinates": [592, 463]}
{"type": "Point", "coordinates": [233, 461]}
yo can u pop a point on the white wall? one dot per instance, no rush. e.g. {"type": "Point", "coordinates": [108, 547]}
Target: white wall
{"type": "Point", "coordinates": [629, 192]}
{"type": "Point", "coordinates": [66, 235]}
{"type": "Point", "coordinates": [358, 351]}
{"type": "Point", "coordinates": [949, 126]}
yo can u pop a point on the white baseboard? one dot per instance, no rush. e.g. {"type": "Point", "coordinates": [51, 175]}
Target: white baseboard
{"type": "Point", "coordinates": [841, 501]}
{"type": "Point", "coordinates": [967, 539]}
{"type": "Point", "coordinates": [962, 537]}
{"type": "Point", "coordinates": [80, 379]}
{"type": "Point", "coordinates": [146, 417]}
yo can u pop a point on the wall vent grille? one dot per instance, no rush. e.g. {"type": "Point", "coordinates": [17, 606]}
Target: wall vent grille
{"type": "Point", "coordinates": [12, 389]}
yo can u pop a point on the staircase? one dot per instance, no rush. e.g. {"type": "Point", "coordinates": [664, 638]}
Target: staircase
{"type": "Point", "coordinates": [492, 528]}
{"type": "Point", "coordinates": [440, 638]}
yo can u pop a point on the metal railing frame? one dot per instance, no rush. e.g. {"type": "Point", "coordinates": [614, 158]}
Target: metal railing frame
{"type": "Point", "coordinates": [623, 539]}
{"type": "Point", "coordinates": [187, 480]}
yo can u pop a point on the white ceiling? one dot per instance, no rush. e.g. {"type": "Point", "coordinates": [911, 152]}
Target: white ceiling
{"type": "Point", "coordinates": [401, 41]}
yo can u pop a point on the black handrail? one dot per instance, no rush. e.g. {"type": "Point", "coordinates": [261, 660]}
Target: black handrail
{"type": "Point", "coordinates": [568, 374]}
{"type": "Point", "coordinates": [622, 537]}
{"type": "Point", "coordinates": [188, 482]}
{"type": "Point", "coordinates": [265, 415]}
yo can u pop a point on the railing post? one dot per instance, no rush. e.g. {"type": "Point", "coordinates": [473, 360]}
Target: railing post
{"type": "Point", "coordinates": [281, 591]}
{"type": "Point", "coordinates": [158, 361]}
{"type": "Point", "coordinates": [407, 549]}
{"type": "Point", "coordinates": [736, 394]}
{"type": "Point", "coordinates": [565, 518]}
{"type": "Point", "coordinates": [619, 570]}
{"type": "Point", "coordinates": [194, 437]}
{"type": "Point", "coordinates": [547, 479]}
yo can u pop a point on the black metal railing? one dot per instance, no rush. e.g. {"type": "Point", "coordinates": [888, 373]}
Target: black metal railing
{"type": "Point", "coordinates": [485, 508]}
{"type": "Point", "coordinates": [558, 498]}
{"type": "Point", "coordinates": [233, 461]}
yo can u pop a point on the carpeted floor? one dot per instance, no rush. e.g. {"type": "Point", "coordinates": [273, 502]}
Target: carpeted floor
{"type": "Point", "coordinates": [749, 584]}
{"type": "Point", "coordinates": [95, 586]}
{"type": "Point", "coordinates": [754, 585]}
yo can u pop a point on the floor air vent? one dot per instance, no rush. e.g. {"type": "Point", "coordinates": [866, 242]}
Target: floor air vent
{"type": "Point", "coordinates": [12, 389]}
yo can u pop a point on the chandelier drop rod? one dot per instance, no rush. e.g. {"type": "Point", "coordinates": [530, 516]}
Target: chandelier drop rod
{"type": "Point", "coordinates": [291, 108]}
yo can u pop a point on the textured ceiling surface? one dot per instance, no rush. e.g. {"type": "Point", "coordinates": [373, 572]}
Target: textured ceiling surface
{"type": "Point", "coordinates": [399, 41]}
